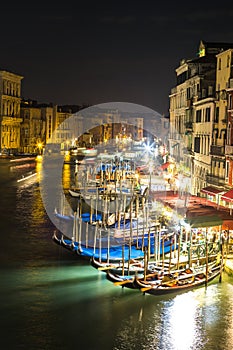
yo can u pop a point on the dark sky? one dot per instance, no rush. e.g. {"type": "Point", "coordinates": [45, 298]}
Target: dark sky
{"type": "Point", "coordinates": [102, 51]}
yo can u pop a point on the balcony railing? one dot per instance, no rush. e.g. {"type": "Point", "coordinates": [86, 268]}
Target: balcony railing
{"type": "Point", "coordinates": [217, 150]}
{"type": "Point", "coordinates": [215, 180]}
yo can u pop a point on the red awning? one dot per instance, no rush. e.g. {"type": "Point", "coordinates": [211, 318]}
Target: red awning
{"type": "Point", "coordinates": [211, 190]}
{"type": "Point", "coordinates": [165, 165]}
{"type": "Point", "coordinates": [227, 225]}
{"type": "Point", "coordinates": [228, 196]}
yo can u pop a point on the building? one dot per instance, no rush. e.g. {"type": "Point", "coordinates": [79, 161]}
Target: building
{"type": "Point", "coordinates": [217, 176]}
{"type": "Point", "coordinates": [33, 128]}
{"type": "Point", "coordinates": [204, 111]}
{"type": "Point", "coordinates": [10, 98]}
{"type": "Point", "coordinates": [193, 117]}
{"type": "Point", "coordinates": [229, 138]}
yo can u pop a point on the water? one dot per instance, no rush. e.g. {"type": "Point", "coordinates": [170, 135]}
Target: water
{"type": "Point", "coordinates": [51, 300]}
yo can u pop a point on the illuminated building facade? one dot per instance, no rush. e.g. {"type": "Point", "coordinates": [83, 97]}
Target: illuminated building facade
{"type": "Point", "coordinates": [218, 175]}
{"type": "Point", "coordinates": [196, 135]}
{"type": "Point", "coordinates": [10, 98]}
{"type": "Point", "coordinates": [228, 58]}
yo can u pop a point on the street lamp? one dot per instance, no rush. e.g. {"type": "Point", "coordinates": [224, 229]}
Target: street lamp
{"type": "Point", "coordinates": [39, 146]}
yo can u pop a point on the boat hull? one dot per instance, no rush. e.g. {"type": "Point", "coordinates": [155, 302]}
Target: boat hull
{"type": "Point", "coordinates": [167, 288]}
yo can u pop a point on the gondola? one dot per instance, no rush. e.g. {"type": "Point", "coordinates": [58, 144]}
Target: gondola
{"type": "Point", "coordinates": [55, 238]}
{"type": "Point", "coordinates": [75, 194]}
{"type": "Point", "coordinates": [130, 280]}
{"type": "Point", "coordinates": [103, 254]}
{"type": "Point", "coordinates": [124, 281]}
{"type": "Point", "coordinates": [111, 254]}
{"type": "Point", "coordinates": [178, 283]}
{"type": "Point", "coordinates": [135, 266]}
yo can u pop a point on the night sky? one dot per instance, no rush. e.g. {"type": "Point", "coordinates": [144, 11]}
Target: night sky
{"type": "Point", "coordinates": [92, 52]}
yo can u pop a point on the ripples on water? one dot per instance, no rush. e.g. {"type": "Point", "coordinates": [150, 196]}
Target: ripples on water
{"type": "Point", "coordinates": [52, 300]}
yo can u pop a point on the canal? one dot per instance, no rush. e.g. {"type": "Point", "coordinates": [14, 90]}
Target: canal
{"type": "Point", "coordinates": [50, 299]}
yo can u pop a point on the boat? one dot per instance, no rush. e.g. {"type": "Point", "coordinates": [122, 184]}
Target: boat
{"type": "Point", "coordinates": [104, 254]}
{"type": "Point", "coordinates": [124, 281]}
{"type": "Point", "coordinates": [55, 238]}
{"type": "Point", "coordinates": [178, 282]}
{"type": "Point", "coordinates": [130, 280]}
{"type": "Point", "coordinates": [110, 254]}
{"type": "Point", "coordinates": [130, 267]}
{"type": "Point", "coordinates": [75, 194]}
{"type": "Point", "coordinates": [133, 230]}
{"type": "Point", "coordinates": [118, 228]}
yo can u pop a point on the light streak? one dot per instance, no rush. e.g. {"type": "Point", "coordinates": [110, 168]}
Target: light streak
{"type": "Point", "coordinates": [26, 177]}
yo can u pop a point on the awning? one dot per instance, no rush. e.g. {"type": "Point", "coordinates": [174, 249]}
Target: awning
{"type": "Point", "coordinates": [227, 225]}
{"type": "Point", "coordinates": [204, 221]}
{"type": "Point", "coordinates": [211, 190]}
{"type": "Point", "coordinates": [228, 196]}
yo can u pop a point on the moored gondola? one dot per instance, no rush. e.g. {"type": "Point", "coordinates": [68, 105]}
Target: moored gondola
{"type": "Point", "coordinates": [178, 283]}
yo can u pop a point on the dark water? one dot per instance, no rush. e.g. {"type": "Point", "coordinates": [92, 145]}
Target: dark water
{"type": "Point", "coordinates": [52, 300]}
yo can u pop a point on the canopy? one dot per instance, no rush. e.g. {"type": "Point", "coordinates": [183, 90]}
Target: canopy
{"type": "Point", "coordinates": [227, 225]}
{"type": "Point", "coordinates": [204, 221]}
{"type": "Point", "coordinates": [211, 190]}
{"type": "Point", "coordinates": [228, 196]}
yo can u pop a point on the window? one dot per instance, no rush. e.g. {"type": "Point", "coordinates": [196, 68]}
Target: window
{"type": "Point", "coordinates": [210, 90]}
{"type": "Point", "coordinates": [198, 116]}
{"type": "Point", "coordinates": [228, 61]}
{"type": "Point", "coordinates": [227, 169]}
{"type": "Point", "coordinates": [197, 144]}
{"type": "Point", "coordinates": [188, 93]}
{"type": "Point", "coordinates": [207, 114]}
{"type": "Point", "coordinates": [219, 64]}
{"type": "Point", "coordinates": [216, 119]}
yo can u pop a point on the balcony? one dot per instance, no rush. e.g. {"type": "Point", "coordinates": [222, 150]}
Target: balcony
{"type": "Point", "coordinates": [217, 150]}
{"type": "Point", "coordinates": [215, 180]}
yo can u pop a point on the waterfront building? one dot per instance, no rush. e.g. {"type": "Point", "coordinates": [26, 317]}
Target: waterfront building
{"type": "Point", "coordinates": [10, 98]}
{"type": "Point", "coordinates": [195, 82]}
{"type": "Point", "coordinates": [193, 117]}
{"type": "Point", "coordinates": [46, 123]}
{"type": "Point", "coordinates": [33, 127]}
{"type": "Point", "coordinates": [229, 140]}
{"type": "Point", "coordinates": [204, 111]}
{"type": "Point", "coordinates": [108, 125]}
{"type": "Point", "coordinates": [220, 149]}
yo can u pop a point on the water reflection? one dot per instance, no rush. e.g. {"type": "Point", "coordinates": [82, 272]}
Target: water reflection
{"type": "Point", "coordinates": [193, 320]}
{"type": "Point", "coordinates": [51, 300]}
{"type": "Point", "coordinates": [182, 321]}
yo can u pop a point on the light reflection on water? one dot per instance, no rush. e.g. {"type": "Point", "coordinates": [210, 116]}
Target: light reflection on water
{"type": "Point", "coordinates": [199, 319]}
{"type": "Point", "coordinates": [51, 300]}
